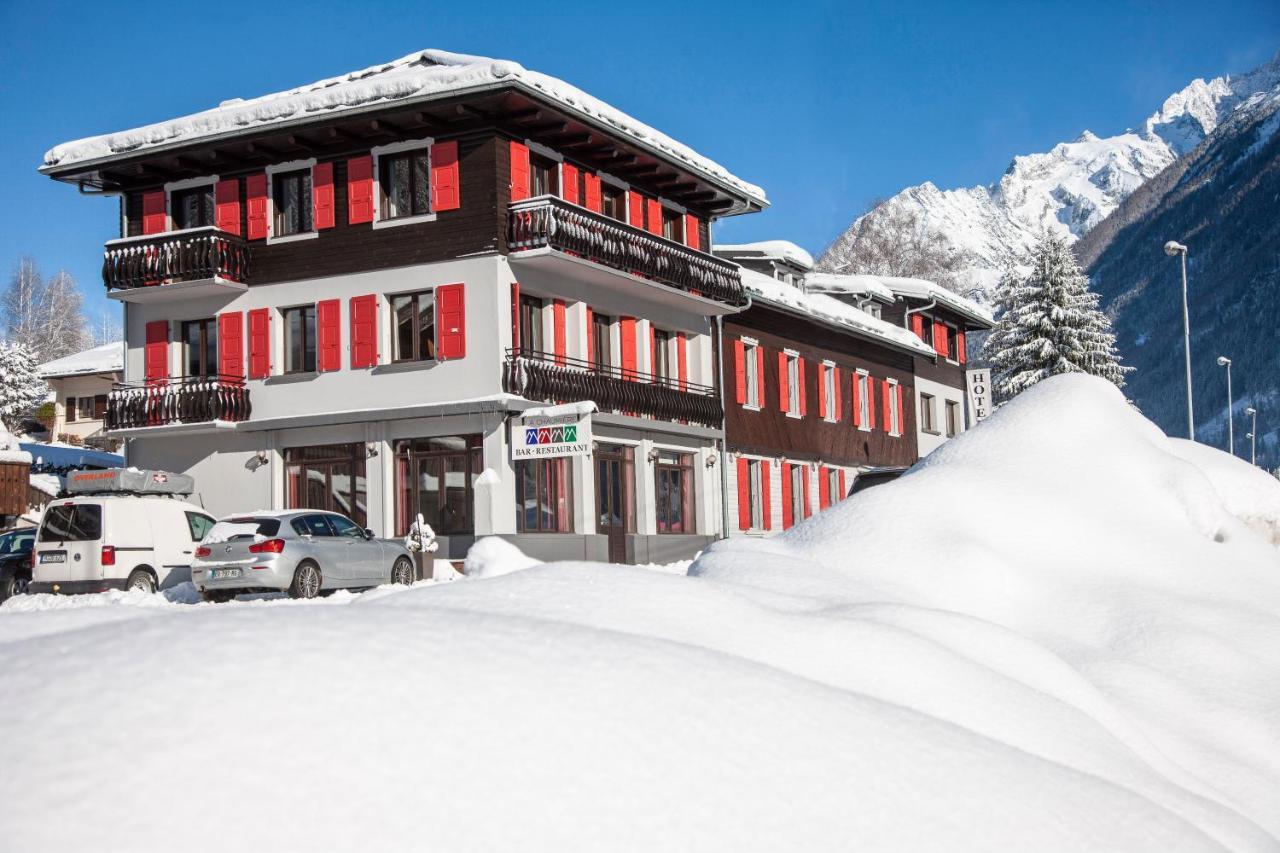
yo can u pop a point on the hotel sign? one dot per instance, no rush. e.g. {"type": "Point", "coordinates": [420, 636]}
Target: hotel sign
{"type": "Point", "coordinates": [541, 437]}
{"type": "Point", "coordinates": [979, 386]}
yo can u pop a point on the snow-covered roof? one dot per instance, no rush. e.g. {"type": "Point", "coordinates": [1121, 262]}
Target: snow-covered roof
{"type": "Point", "coordinates": [108, 358]}
{"type": "Point", "coordinates": [864, 285]}
{"type": "Point", "coordinates": [421, 76]}
{"type": "Point", "coordinates": [887, 287]}
{"type": "Point", "coordinates": [829, 310]}
{"type": "Point", "coordinates": [781, 250]}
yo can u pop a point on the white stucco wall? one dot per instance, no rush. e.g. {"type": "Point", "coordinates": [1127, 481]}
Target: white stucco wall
{"type": "Point", "coordinates": [928, 442]}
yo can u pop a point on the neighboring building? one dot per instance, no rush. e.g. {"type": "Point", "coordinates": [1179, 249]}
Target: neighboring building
{"type": "Point", "coordinates": [820, 390]}
{"type": "Point", "coordinates": [344, 296]}
{"type": "Point", "coordinates": [940, 318]}
{"type": "Point", "coordinates": [81, 384]}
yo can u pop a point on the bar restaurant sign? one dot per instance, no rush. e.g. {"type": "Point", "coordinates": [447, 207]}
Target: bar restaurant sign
{"type": "Point", "coordinates": [543, 436]}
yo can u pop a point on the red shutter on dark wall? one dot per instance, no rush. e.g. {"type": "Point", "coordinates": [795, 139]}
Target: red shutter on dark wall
{"type": "Point", "coordinates": [788, 517]}
{"type": "Point", "coordinates": [515, 315]}
{"type": "Point", "coordinates": [259, 343]}
{"type": "Point", "coordinates": [940, 339]}
{"type": "Point", "coordinates": [329, 335]}
{"type": "Point", "coordinates": [569, 183]}
{"type": "Point", "coordinates": [766, 502]}
{"type": "Point", "coordinates": [654, 215]}
{"type": "Point", "coordinates": [627, 338]}
{"type": "Point", "coordinates": [804, 478]}
{"type": "Point", "coordinates": [839, 401]}
{"type": "Point", "coordinates": [744, 494]}
{"type": "Point", "coordinates": [822, 390]}
{"type": "Point", "coordinates": [322, 196]}
{"type": "Point", "coordinates": [740, 369]}
{"type": "Point", "coordinates": [804, 403]}
{"type": "Point", "coordinates": [231, 344]}
{"type": "Point", "coordinates": [519, 171]}
{"type": "Point", "coordinates": [692, 238]}
{"type": "Point", "coordinates": [635, 209]}
{"type": "Point", "coordinates": [446, 181]}
{"type": "Point", "coordinates": [824, 488]}
{"type": "Point", "coordinates": [155, 218]}
{"type": "Point", "coordinates": [451, 322]}
{"type": "Point", "coordinates": [364, 330]}
{"type": "Point", "coordinates": [682, 360]}
{"type": "Point", "coordinates": [560, 334]}
{"type": "Point", "coordinates": [784, 388]}
{"type": "Point", "coordinates": [917, 325]}
{"type": "Point", "coordinates": [226, 198]}
{"type": "Point", "coordinates": [886, 415]}
{"type": "Point", "coordinates": [360, 190]}
{"type": "Point", "coordinates": [255, 187]}
{"type": "Point", "coordinates": [961, 355]}
{"type": "Point", "coordinates": [591, 189]}
{"type": "Point", "coordinates": [157, 352]}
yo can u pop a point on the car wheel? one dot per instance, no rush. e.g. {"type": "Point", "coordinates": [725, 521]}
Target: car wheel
{"type": "Point", "coordinates": [140, 580]}
{"type": "Point", "coordinates": [402, 572]}
{"type": "Point", "coordinates": [218, 596]}
{"type": "Point", "coordinates": [10, 587]}
{"type": "Point", "coordinates": [306, 581]}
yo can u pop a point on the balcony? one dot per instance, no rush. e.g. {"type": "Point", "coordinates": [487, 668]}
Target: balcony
{"type": "Point", "coordinates": [548, 378]}
{"type": "Point", "coordinates": [177, 401]}
{"type": "Point", "coordinates": [576, 243]}
{"type": "Point", "coordinates": [196, 262]}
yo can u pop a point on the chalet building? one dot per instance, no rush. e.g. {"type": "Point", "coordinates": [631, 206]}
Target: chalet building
{"type": "Point", "coordinates": [939, 318]}
{"type": "Point", "coordinates": [81, 383]}
{"type": "Point", "coordinates": [820, 390]}
{"type": "Point", "coordinates": [361, 295]}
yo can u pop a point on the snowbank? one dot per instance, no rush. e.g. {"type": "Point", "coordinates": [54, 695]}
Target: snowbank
{"type": "Point", "coordinates": [1052, 635]}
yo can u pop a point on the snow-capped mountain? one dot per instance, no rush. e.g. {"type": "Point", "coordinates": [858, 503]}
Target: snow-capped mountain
{"type": "Point", "coordinates": [1071, 187]}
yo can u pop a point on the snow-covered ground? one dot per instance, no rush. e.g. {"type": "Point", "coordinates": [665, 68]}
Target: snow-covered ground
{"type": "Point", "coordinates": [1055, 634]}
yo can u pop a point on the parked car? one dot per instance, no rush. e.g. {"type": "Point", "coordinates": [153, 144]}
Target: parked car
{"type": "Point", "coordinates": [876, 477]}
{"type": "Point", "coordinates": [15, 561]}
{"type": "Point", "coordinates": [116, 541]}
{"type": "Point", "coordinates": [303, 552]}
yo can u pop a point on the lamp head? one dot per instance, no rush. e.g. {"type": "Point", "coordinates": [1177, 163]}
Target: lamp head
{"type": "Point", "coordinates": [1223, 361]}
{"type": "Point", "coordinates": [1173, 247]}
{"type": "Point", "coordinates": [1251, 411]}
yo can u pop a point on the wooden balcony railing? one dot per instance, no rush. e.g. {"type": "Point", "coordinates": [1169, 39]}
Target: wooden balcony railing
{"type": "Point", "coordinates": [179, 400]}
{"type": "Point", "coordinates": [201, 253]}
{"type": "Point", "coordinates": [555, 379]}
{"type": "Point", "coordinates": [547, 221]}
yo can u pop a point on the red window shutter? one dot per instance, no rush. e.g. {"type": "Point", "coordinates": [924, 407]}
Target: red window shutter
{"type": "Point", "coordinates": [839, 408]}
{"type": "Point", "coordinates": [364, 330]}
{"type": "Point", "coordinates": [655, 216]}
{"type": "Point", "coordinates": [591, 187]}
{"type": "Point", "coordinates": [804, 477]}
{"type": "Point", "coordinates": [259, 343]}
{"type": "Point", "coordinates": [917, 325]}
{"type": "Point", "coordinates": [226, 198]}
{"type": "Point", "coordinates": [155, 219]}
{"type": "Point", "coordinates": [822, 390]}
{"type": "Point", "coordinates": [824, 488]}
{"type": "Point", "coordinates": [804, 403]}
{"type": "Point", "coordinates": [569, 183]}
{"type": "Point", "coordinates": [682, 360]}
{"type": "Point", "coordinates": [360, 190]}
{"type": "Point", "coordinates": [844, 490]}
{"type": "Point", "coordinates": [940, 339]}
{"type": "Point", "coordinates": [857, 402]}
{"type": "Point", "coordinates": [591, 335]}
{"type": "Point", "coordinates": [157, 352]}
{"type": "Point", "coordinates": [329, 325]}
{"type": "Point", "coordinates": [871, 402]}
{"type": "Point", "coordinates": [885, 414]}
{"type": "Point", "coordinates": [635, 206]}
{"type": "Point", "coordinates": [788, 517]}
{"type": "Point", "coordinates": [760, 377]}
{"type": "Point", "coordinates": [231, 344]}
{"type": "Point", "coordinates": [515, 315]}
{"type": "Point", "coordinates": [692, 239]}
{"type": "Point", "coordinates": [784, 389]}
{"type": "Point", "coordinates": [71, 410]}
{"type": "Point", "coordinates": [902, 413]}
{"type": "Point", "coordinates": [961, 355]}
{"type": "Point", "coordinates": [740, 369]}
{"type": "Point", "coordinates": [766, 504]}
{"type": "Point", "coordinates": [255, 187]}
{"type": "Point", "coordinates": [744, 494]}
{"type": "Point", "coordinates": [560, 333]}
{"type": "Point", "coordinates": [446, 183]}
{"type": "Point", "coordinates": [627, 334]}
{"type": "Point", "coordinates": [519, 171]}
{"type": "Point", "coordinates": [451, 322]}
{"type": "Point", "coordinates": [322, 196]}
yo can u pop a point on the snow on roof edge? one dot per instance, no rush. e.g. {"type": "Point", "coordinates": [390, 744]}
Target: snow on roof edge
{"type": "Point", "coordinates": [108, 358]}
{"type": "Point", "coordinates": [777, 249]}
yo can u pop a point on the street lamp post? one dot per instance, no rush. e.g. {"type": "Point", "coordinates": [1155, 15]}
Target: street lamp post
{"type": "Point", "coordinates": [1173, 247]}
{"type": "Point", "coordinates": [1223, 361]}
{"type": "Point", "coordinates": [1253, 435]}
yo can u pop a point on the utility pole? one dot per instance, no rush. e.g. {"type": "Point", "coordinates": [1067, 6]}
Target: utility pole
{"type": "Point", "coordinates": [1173, 247]}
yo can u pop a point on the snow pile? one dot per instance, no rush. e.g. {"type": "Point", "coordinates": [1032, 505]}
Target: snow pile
{"type": "Point", "coordinates": [421, 76]}
{"type": "Point", "coordinates": [108, 358]}
{"type": "Point", "coordinates": [1246, 491]}
{"type": "Point", "coordinates": [1053, 635]}
{"type": "Point", "coordinates": [492, 557]}
{"type": "Point", "coordinates": [782, 250]}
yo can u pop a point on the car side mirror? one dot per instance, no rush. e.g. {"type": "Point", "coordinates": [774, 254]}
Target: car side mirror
{"type": "Point", "coordinates": [368, 534]}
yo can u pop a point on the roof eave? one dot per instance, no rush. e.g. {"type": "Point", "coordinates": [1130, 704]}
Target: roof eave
{"type": "Point", "coordinates": [840, 327]}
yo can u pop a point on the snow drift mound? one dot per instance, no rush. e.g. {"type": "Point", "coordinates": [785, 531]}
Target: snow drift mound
{"type": "Point", "coordinates": [1055, 635]}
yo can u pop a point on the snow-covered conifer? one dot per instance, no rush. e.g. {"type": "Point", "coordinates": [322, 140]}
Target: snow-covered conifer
{"type": "Point", "coordinates": [21, 388]}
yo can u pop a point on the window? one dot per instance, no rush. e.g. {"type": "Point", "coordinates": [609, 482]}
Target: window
{"type": "Point", "coordinates": [72, 523]}
{"type": "Point", "coordinates": [543, 502]}
{"type": "Point", "coordinates": [953, 418]}
{"type": "Point", "coordinates": [953, 343]}
{"type": "Point", "coordinates": [755, 493]}
{"type": "Point", "coordinates": [895, 412]}
{"type": "Point", "coordinates": [531, 324]}
{"type": "Point", "coordinates": [192, 208]}
{"type": "Point", "coordinates": [797, 491]}
{"type": "Point", "coordinates": [300, 339]}
{"type": "Point", "coordinates": [267, 527]}
{"type": "Point", "coordinates": [544, 176]}
{"type": "Point", "coordinates": [613, 202]}
{"type": "Point", "coordinates": [405, 184]}
{"type": "Point", "coordinates": [873, 308]}
{"type": "Point", "coordinates": [345, 527]}
{"type": "Point", "coordinates": [200, 347]}
{"type": "Point", "coordinates": [829, 391]}
{"type": "Point", "coordinates": [672, 225]}
{"type": "Point", "coordinates": [674, 484]}
{"type": "Point", "coordinates": [99, 407]}
{"type": "Point", "coordinates": [793, 384]}
{"type": "Point", "coordinates": [413, 316]}
{"type": "Point", "coordinates": [435, 478]}
{"type": "Point", "coordinates": [292, 194]}
{"type": "Point", "coordinates": [601, 344]}
{"type": "Point", "coordinates": [833, 484]}
{"type": "Point", "coordinates": [662, 356]}
{"type": "Point", "coordinates": [327, 477]}
{"type": "Point", "coordinates": [864, 401]}
{"type": "Point", "coordinates": [926, 330]}
{"type": "Point", "coordinates": [751, 357]}
{"type": "Point", "coordinates": [84, 408]}
{"type": "Point", "coordinates": [199, 525]}
{"type": "Point", "coordinates": [927, 421]}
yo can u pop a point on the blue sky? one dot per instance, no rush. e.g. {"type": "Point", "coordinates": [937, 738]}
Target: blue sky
{"type": "Point", "coordinates": [828, 106]}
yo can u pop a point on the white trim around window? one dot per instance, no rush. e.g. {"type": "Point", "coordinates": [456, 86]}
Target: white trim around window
{"type": "Point", "coordinates": [171, 187]}
{"type": "Point", "coordinates": [751, 372]}
{"type": "Point", "coordinates": [793, 383]}
{"type": "Point", "coordinates": [829, 391]}
{"type": "Point", "coordinates": [272, 171]}
{"type": "Point", "coordinates": [895, 410]}
{"type": "Point", "coordinates": [427, 142]}
{"type": "Point", "coordinates": [864, 400]}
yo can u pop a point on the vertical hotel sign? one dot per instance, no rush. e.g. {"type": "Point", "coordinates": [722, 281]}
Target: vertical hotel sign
{"type": "Point", "coordinates": [979, 386]}
{"type": "Point", "coordinates": [543, 436]}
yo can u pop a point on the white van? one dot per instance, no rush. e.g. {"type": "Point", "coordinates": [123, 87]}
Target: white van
{"type": "Point", "coordinates": [97, 542]}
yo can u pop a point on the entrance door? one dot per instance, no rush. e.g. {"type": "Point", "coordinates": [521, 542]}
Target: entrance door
{"type": "Point", "coordinates": [615, 497]}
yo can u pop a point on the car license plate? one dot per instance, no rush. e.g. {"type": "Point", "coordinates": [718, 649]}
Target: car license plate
{"type": "Point", "coordinates": [219, 574]}
{"type": "Point", "coordinates": [53, 557]}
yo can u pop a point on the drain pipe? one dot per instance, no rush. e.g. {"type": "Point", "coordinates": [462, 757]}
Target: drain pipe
{"type": "Point", "coordinates": [724, 443]}
{"type": "Point", "coordinates": [906, 321]}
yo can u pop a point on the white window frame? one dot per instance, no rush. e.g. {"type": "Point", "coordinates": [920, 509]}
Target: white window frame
{"type": "Point", "coordinates": [833, 485]}
{"type": "Point", "coordinates": [895, 411]}
{"type": "Point", "coordinates": [864, 400]}
{"type": "Point", "coordinates": [751, 373]}
{"type": "Point", "coordinates": [427, 142]}
{"type": "Point", "coordinates": [793, 383]}
{"type": "Point", "coordinates": [188, 184]}
{"type": "Point", "coordinates": [272, 171]}
{"type": "Point", "coordinates": [798, 497]}
{"type": "Point", "coordinates": [280, 343]}
{"type": "Point", "coordinates": [829, 391]}
{"type": "Point", "coordinates": [874, 309]}
{"type": "Point", "coordinates": [947, 407]}
{"type": "Point", "coordinates": [755, 493]}
{"type": "Point", "coordinates": [387, 311]}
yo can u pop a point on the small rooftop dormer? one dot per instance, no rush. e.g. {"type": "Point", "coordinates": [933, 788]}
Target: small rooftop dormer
{"type": "Point", "coordinates": [778, 259]}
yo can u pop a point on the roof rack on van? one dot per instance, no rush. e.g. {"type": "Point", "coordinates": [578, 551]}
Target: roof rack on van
{"type": "Point", "coordinates": [129, 481]}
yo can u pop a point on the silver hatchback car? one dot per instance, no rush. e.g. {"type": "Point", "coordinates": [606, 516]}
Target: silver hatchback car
{"type": "Point", "coordinates": [303, 552]}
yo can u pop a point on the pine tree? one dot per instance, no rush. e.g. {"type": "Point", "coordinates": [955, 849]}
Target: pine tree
{"type": "Point", "coordinates": [1049, 323]}
{"type": "Point", "coordinates": [21, 388]}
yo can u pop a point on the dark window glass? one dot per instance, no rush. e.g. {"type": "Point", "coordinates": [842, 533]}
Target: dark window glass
{"type": "Point", "coordinates": [199, 525]}
{"type": "Point", "coordinates": [300, 339]}
{"type": "Point", "coordinates": [661, 355]}
{"type": "Point", "coordinates": [292, 194]}
{"type": "Point", "coordinates": [953, 343]}
{"type": "Point", "coordinates": [613, 203]}
{"type": "Point", "coordinates": [674, 474]}
{"type": "Point", "coordinates": [267, 527]}
{"type": "Point", "coordinates": [672, 226]}
{"type": "Point", "coordinates": [406, 184]}
{"type": "Point", "coordinates": [927, 329]}
{"type": "Point", "coordinates": [615, 487]}
{"type": "Point", "coordinates": [435, 478]}
{"type": "Point", "coordinates": [192, 208]}
{"type": "Point", "coordinates": [415, 328]}
{"type": "Point", "coordinates": [72, 523]}
{"type": "Point", "coordinates": [601, 347]}
{"type": "Point", "coordinates": [345, 527]}
{"type": "Point", "coordinates": [926, 413]}
{"type": "Point", "coordinates": [543, 502]}
{"type": "Point", "coordinates": [953, 418]}
{"type": "Point", "coordinates": [327, 477]}
{"type": "Point", "coordinates": [530, 324]}
{"type": "Point", "coordinates": [200, 344]}
{"type": "Point", "coordinates": [543, 176]}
